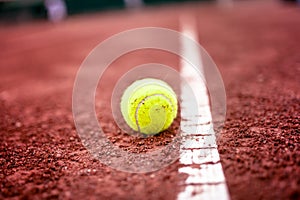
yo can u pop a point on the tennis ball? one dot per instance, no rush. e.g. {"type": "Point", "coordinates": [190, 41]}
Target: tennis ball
{"type": "Point", "coordinates": [149, 106]}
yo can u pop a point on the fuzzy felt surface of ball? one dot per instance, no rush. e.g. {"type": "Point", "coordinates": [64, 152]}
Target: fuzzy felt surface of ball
{"type": "Point", "coordinates": [149, 106]}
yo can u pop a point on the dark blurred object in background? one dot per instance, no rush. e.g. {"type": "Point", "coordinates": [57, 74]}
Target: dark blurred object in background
{"type": "Point", "coordinates": [291, 1]}
{"type": "Point", "coordinates": [19, 11]}
{"type": "Point", "coordinates": [56, 10]}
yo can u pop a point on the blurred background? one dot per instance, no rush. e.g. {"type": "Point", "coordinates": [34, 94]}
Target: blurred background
{"type": "Point", "coordinates": [57, 10]}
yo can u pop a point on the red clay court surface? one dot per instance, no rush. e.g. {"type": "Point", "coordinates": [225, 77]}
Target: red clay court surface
{"type": "Point", "coordinates": [257, 49]}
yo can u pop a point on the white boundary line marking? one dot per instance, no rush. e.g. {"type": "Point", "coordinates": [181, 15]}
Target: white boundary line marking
{"type": "Point", "coordinates": [198, 154]}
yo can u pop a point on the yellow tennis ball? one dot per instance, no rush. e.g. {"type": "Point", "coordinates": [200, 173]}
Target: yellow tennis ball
{"type": "Point", "coordinates": [149, 106]}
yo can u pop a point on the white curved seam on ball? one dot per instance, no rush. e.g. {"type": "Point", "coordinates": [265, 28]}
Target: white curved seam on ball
{"type": "Point", "coordinates": [142, 101]}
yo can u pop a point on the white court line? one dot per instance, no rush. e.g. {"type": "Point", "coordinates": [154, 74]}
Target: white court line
{"type": "Point", "coordinates": [198, 154]}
